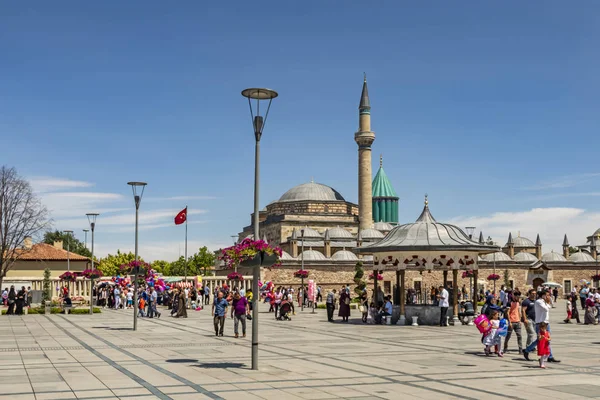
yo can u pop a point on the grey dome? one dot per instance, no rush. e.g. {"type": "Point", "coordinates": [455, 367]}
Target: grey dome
{"type": "Point", "coordinates": [367, 258]}
{"type": "Point", "coordinates": [286, 256]}
{"type": "Point", "coordinates": [425, 234]}
{"type": "Point", "coordinates": [312, 255]}
{"type": "Point", "coordinates": [499, 256]}
{"type": "Point", "coordinates": [524, 256]}
{"type": "Point", "coordinates": [552, 256]}
{"type": "Point", "coordinates": [344, 255]}
{"type": "Point", "coordinates": [340, 233]}
{"type": "Point", "coordinates": [521, 242]}
{"type": "Point", "coordinates": [581, 257]}
{"type": "Point", "coordinates": [383, 226]}
{"type": "Point", "coordinates": [371, 234]}
{"type": "Point", "coordinates": [311, 191]}
{"type": "Point", "coordinates": [309, 233]}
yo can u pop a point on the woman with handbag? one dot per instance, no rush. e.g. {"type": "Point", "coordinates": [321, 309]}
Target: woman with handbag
{"type": "Point", "coordinates": [344, 311]}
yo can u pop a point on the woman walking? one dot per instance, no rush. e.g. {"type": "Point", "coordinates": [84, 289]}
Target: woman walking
{"type": "Point", "coordinates": [590, 306]}
{"type": "Point", "coordinates": [344, 305]}
{"type": "Point", "coordinates": [12, 298]}
{"type": "Point", "coordinates": [181, 310]}
{"type": "Point", "coordinates": [20, 301]}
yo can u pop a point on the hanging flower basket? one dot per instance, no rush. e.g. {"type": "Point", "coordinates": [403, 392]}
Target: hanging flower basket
{"type": "Point", "coordinates": [68, 277]}
{"type": "Point", "coordinates": [235, 276]}
{"type": "Point", "coordinates": [129, 268]}
{"type": "Point", "coordinates": [596, 278]}
{"type": "Point", "coordinates": [493, 277]}
{"type": "Point", "coordinates": [468, 274]}
{"type": "Point", "coordinates": [92, 273]}
{"type": "Point", "coordinates": [301, 273]}
{"type": "Point", "coordinates": [248, 250]}
{"type": "Point", "coordinates": [379, 277]}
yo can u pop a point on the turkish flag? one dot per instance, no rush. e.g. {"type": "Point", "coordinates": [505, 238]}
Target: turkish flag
{"type": "Point", "coordinates": [181, 217]}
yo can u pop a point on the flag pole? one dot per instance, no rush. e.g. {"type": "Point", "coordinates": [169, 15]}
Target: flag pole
{"type": "Point", "coordinates": [186, 224]}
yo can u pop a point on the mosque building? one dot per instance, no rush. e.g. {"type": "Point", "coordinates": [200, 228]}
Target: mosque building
{"type": "Point", "coordinates": [318, 228]}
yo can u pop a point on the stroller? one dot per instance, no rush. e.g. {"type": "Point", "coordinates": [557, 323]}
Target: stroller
{"type": "Point", "coordinates": [284, 312]}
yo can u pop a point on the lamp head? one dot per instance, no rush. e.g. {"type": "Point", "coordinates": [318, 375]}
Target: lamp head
{"type": "Point", "coordinates": [138, 191]}
{"type": "Point", "coordinates": [259, 94]}
{"type": "Point", "coordinates": [92, 219]}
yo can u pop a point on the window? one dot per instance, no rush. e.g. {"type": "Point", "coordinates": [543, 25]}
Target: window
{"type": "Point", "coordinates": [511, 283]}
{"type": "Point", "coordinates": [387, 287]}
{"type": "Point", "coordinates": [567, 286]}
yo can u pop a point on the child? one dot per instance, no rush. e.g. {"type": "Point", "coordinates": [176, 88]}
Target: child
{"type": "Point", "coordinates": [492, 338]}
{"type": "Point", "coordinates": [142, 307]}
{"type": "Point", "coordinates": [569, 310]}
{"type": "Point", "coordinates": [543, 344]}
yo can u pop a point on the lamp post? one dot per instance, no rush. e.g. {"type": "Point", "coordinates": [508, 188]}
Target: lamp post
{"type": "Point", "coordinates": [92, 220]}
{"type": "Point", "coordinates": [470, 230]}
{"type": "Point", "coordinates": [302, 268]}
{"type": "Point", "coordinates": [138, 191]}
{"type": "Point", "coordinates": [258, 123]}
{"type": "Point", "coordinates": [85, 231]}
{"type": "Point", "coordinates": [69, 233]}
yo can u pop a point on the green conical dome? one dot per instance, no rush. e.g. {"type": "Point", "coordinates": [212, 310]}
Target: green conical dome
{"type": "Point", "coordinates": [385, 199]}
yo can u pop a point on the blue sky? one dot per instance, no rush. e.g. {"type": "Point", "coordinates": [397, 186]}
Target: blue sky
{"type": "Point", "coordinates": [491, 109]}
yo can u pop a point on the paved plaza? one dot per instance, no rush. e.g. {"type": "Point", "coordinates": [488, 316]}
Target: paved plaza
{"type": "Point", "coordinates": [99, 357]}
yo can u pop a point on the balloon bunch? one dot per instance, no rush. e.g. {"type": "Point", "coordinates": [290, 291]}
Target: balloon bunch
{"type": "Point", "coordinates": [121, 281]}
{"type": "Point", "coordinates": [152, 280]}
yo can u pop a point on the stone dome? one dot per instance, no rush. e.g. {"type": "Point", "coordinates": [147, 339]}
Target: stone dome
{"type": "Point", "coordinates": [524, 256]}
{"type": "Point", "coordinates": [312, 255]}
{"type": "Point", "coordinates": [309, 233]}
{"type": "Point", "coordinates": [581, 257]}
{"type": "Point", "coordinates": [367, 258]}
{"type": "Point", "coordinates": [371, 234]}
{"type": "Point", "coordinates": [344, 255]}
{"type": "Point", "coordinates": [339, 233]}
{"type": "Point", "coordinates": [552, 256]}
{"type": "Point", "coordinates": [500, 256]}
{"type": "Point", "coordinates": [383, 226]}
{"type": "Point", "coordinates": [311, 191]}
{"type": "Point", "coordinates": [286, 256]}
{"type": "Point", "coordinates": [521, 242]}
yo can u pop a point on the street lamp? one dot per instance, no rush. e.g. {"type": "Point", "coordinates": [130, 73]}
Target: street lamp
{"type": "Point", "coordinates": [85, 231]}
{"type": "Point", "coordinates": [92, 220]}
{"type": "Point", "coordinates": [138, 191]}
{"type": "Point", "coordinates": [470, 230]}
{"type": "Point", "coordinates": [302, 268]}
{"type": "Point", "coordinates": [69, 233]}
{"type": "Point", "coordinates": [258, 123]}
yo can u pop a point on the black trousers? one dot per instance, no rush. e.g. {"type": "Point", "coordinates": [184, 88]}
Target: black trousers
{"type": "Point", "coordinates": [330, 308]}
{"type": "Point", "coordinates": [443, 312]}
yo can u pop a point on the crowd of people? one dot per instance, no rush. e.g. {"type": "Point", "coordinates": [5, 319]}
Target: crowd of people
{"type": "Point", "coordinates": [16, 301]}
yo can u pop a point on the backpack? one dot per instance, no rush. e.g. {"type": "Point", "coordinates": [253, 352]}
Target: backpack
{"type": "Point", "coordinates": [482, 323]}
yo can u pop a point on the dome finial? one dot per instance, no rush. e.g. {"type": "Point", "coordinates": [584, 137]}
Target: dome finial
{"type": "Point", "coordinates": [365, 75]}
{"type": "Point", "coordinates": [381, 161]}
{"type": "Point", "coordinates": [426, 201]}
{"type": "Point", "coordinates": [312, 179]}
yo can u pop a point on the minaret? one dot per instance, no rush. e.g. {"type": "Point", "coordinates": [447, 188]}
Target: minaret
{"type": "Point", "coordinates": [364, 138]}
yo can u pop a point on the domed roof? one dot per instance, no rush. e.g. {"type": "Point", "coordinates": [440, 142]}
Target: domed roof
{"type": "Point", "coordinates": [371, 234]}
{"type": "Point", "coordinates": [521, 242]}
{"type": "Point", "coordinates": [311, 191]}
{"type": "Point", "coordinates": [499, 256]}
{"type": "Point", "coordinates": [383, 226]}
{"type": "Point", "coordinates": [524, 256]}
{"type": "Point", "coordinates": [367, 258]}
{"type": "Point", "coordinates": [581, 257]}
{"type": "Point", "coordinates": [312, 255]}
{"type": "Point", "coordinates": [286, 256]}
{"type": "Point", "coordinates": [340, 233]}
{"type": "Point", "coordinates": [344, 255]}
{"type": "Point", "coordinates": [552, 256]}
{"type": "Point", "coordinates": [428, 235]}
{"type": "Point", "coordinates": [309, 233]}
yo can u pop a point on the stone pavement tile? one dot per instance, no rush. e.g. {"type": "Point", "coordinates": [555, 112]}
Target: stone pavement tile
{"type": "Point", "coordinates": [81, 380]}
{"type": "Point", "coordinates": [153, 376]}
{"type": "Point", "coordinates": [55, 396]}
{"type": "Point", "coordinates": [344, 392]}
{"type": "Point", "coordinates": [131, 391]}
{"type": "Point", "coordinates": [59, 386]}
{"type": "Point", "coordinates": [176, 389]}
{"type": "Point", "coordinates": [8, 387]}
{"type": "Point", "coordinates": [276, 394]}
{"type": "Point", "coordinates": [253, 385]}
{"type": "Point", "coordinates": [88, 394]}
{"type": "Point", "coordinates": [194, 396]}
{"type": "Point", "coordinates": [308, 393]}
{"type": "Point", "coordinates": [151, 397]}
{"type": "Point", "coordinates": [464, 391]}
{"type": "Point", "coordinates": [245, 395]}
{"type": "Point", "coordinates": [17, 397]}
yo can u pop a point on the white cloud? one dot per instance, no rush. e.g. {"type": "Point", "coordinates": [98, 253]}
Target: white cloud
{"type": "Point", "coordinates": [564, 181]}
{"type": "Point", "coordinates": [550, 223]}
{"type": "Point", "coordinates": [563, 195]}
{"type": "Point", "coordinates": [45, 183]}
{"type": "Point", "coordinates": [77, 204]}
{"type": "Point", "coordinates": [180, 198]}
{"type": "Point", "coordinates": [159, 250]}
{"type": "Point", "coordinates": [145, 217]}
{"type": "Point", "coordinates": [146, 227]}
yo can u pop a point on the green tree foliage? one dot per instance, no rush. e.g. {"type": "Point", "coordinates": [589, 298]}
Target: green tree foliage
{"type": "Point", "coordinates": [198, 264]}
{"type": "Point", "coordinates": [359, 272]}
{"type": "Point", "coordinates": [47, 291]}
{"type": "Point", "coordinates": [110, 264]}
{"type": "Point", "coordinates": [573, 250]}
{"type": "Point", "coordinates": [160, 266]}
{"type": "Point", "coordinates": [69, 241]}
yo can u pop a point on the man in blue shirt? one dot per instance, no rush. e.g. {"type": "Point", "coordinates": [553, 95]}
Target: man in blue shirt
{"type": "Point", "coordinates": [219, 311]}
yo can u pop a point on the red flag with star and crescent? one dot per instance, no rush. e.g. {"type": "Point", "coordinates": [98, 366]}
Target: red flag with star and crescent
{"type": "Point", "coordinates": [181, 217]}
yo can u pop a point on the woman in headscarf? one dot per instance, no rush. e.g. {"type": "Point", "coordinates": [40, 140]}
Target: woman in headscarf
{"type": "Point", "coordinates": [489, 306]}
{"type": "Point", "coordinates": [181, 309]}
{"type": "Point", "coordinates": [174, 302]}
{"type": "Point", "coordinates": [590, 306]}
{"type": "Point", "coordinates": [21, 301]}
{"type": "Point", "coordinates": [12, 298]}
{"type": "Point", "coordinates": [344, 305]}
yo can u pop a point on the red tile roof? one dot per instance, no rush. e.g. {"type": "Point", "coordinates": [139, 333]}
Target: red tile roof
{"type": "Point", "coordinates": [43, 252]}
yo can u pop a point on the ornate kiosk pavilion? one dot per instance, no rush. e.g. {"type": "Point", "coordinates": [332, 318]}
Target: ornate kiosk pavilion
{"type": "Point", "coordinates": [426, 245]}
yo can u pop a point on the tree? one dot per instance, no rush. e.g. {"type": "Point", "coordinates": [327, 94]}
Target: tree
{"type": "Point", "coordinates": [573, 250]}
{"type": "Point", "coordinates": [47, 290]}
{"type": "Point", "coordinates": [198, 264]}
{"type": "Point", "coordinates": [160, 266]}
{"type": "Point", "coordinates": [110, 264]}
{"type": "Point", "coordinates": [69, 241]}
{"type": "Point", "coordinates": [359, 272]}
{"type": "Point", "coordinates": [21, 215]}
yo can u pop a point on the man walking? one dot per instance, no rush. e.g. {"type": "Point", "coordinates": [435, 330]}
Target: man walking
{"type": "Point", "coordinates": [219, 311]}
{"type": "Point", "coordinates": [514, 319]}
{"type": "Point", "coordinates": [154, 302]}
{"type": "Point", "coordinates": [528, 316]}
{"type": "Point", "coordinates": [239, 310]}
{"type": "Point", "coordinates": [542, 314]}
{"type": "Point", "coordinates": [443, 298]}
{"type": "Point", "coordinates": [330, 302]}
